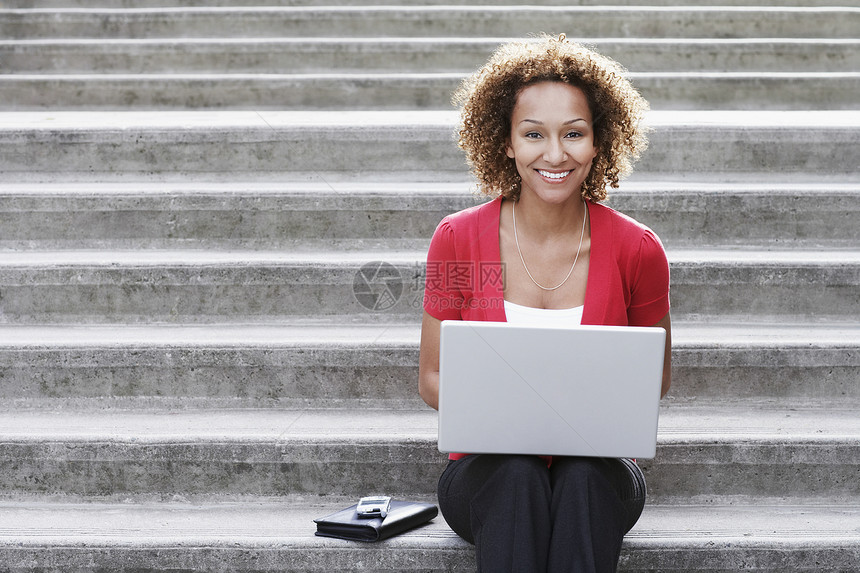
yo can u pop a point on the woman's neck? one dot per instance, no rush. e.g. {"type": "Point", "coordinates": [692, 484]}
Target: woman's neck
{"type": "Point", "coordinates": [545, 221]}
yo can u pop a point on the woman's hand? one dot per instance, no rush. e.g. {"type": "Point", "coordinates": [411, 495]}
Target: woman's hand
{"type": "Point", "coordinates": [428, 361]}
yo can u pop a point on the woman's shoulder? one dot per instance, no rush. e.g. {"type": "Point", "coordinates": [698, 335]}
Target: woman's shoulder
{"type": "Point", "coordinates": [464, 225]}
{"type": "Point", "coordinates": [621, 225]}
{"type": "Point", "coordinates": [470, 216]}
{"type": "Point", "coordinates": [458, 234]}
{"type": "Point", "coordinates": [618, 220]}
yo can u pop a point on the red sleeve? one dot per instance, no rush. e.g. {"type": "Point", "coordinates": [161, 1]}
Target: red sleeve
{"type": "Point", "coordinates": [442, 300]}
{"type": "Point", "coordinates": [649, 300]}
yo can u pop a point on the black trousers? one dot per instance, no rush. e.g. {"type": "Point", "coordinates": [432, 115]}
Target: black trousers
{"type": "Point", "coordinates": [525, 517]}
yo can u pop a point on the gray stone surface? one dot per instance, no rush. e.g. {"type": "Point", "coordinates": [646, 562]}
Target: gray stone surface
{"type": "Point", "coordinates": [399, 21]}
{"type": "Point", "coordinates": [408, 55]}
{"type": "Point", "coordinates": [261, 286]}
{"type": "Point", "coordinates": [262, 535]}
{"type": "Point", "coordinates": [689, 143]}
{"type": "Point", "coordinates": [370, 215]}
{"type": "Point", "coordinates": [113, 4]}
{"type": "Point", "coordinates": [210, 443]}
{"type": "Point", "coordinates": [326, 365]}
{"type": "Point", "coordinates": [704, 451]}
{"type": "Point", "coordinates": [326, 91]}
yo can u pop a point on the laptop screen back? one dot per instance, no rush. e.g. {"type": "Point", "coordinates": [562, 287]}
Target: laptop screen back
{"type": "Point", "coordinates": [578, 391]}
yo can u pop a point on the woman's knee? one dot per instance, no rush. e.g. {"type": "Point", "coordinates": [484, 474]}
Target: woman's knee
{"type": "Point", "coordinates": [523, 470]}
{"type": "Point", "coordinates": [579, 468]}
{"type": "Point", "coordinates": [505, 475]}
{"type": "Point", "coordinates": [585, 473]}
{"type": "Point", "coordinates": [521, 465]}
{"type": "Point", "coordinates": [610, 482]}
{"type": "Point", "coordinates": [476, 474]}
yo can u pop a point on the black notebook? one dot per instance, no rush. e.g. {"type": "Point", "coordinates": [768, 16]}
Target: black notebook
{"type": "Point", "coordinates": [402, 516]}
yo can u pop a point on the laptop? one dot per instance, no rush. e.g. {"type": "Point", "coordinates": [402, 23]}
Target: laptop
{"type": "Point", "coordinates": [565, 391]}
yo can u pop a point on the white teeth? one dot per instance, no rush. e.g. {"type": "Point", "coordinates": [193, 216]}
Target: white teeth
{"type": "Point", "coordinates": [549, 175]}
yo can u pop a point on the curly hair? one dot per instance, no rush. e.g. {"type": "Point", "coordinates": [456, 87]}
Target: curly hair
{"type": "Point", "coordinates": [489, 95]}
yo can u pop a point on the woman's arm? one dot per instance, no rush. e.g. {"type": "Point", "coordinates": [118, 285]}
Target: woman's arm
{"type": "Point", "coordinates": [428, 361]}
{"type": "Point", "coordinates": [665, 323]}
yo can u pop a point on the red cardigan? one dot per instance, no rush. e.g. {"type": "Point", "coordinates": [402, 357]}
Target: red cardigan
{"type": "Point", "coordinates": [628, 273]}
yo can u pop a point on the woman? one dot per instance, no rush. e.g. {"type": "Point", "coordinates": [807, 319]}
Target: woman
{"type": "Point", "coordinates": [545, 126]}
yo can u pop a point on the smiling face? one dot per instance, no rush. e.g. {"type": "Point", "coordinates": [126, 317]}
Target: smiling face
{"type": "Point", "coordinates": [552, 140]}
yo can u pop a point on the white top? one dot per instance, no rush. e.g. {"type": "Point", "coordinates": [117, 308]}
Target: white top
{"type": "Point", "coordinates": [530, 316]}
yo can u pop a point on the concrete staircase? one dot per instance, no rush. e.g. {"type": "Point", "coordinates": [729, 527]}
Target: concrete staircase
{"type": "Point", "coordinates": [191, 202]}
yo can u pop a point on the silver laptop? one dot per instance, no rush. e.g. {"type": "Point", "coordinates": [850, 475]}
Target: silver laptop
{"type": "Point", "coordinates": [572, 391]}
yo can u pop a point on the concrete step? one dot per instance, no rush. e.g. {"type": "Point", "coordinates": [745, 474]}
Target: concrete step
{"type": "Point", "coordinates": [114, 4]}
{"type": "Point", "coordinates": [414, 55]}
{"type": "Point", "coordinates": [314, 363]}
{"type": "Point", "coordinates": [740, 449]}
{"type": "Point", "coordinates": [394, 212]}
{"type": "Point", "coordinates": [395, 91]}
{"type": "Point", "coordinates": [807, 143]}
{"type": "Point", "coordinates": [405, 21]}
{"type": "Point", "coordinates": [261, 286]}
{"type": "Point", "coordinates": [264, 533]}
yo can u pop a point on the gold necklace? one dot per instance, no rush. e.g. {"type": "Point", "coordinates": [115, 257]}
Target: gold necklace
{"type": "Point", "coordinates": [570, 272]}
